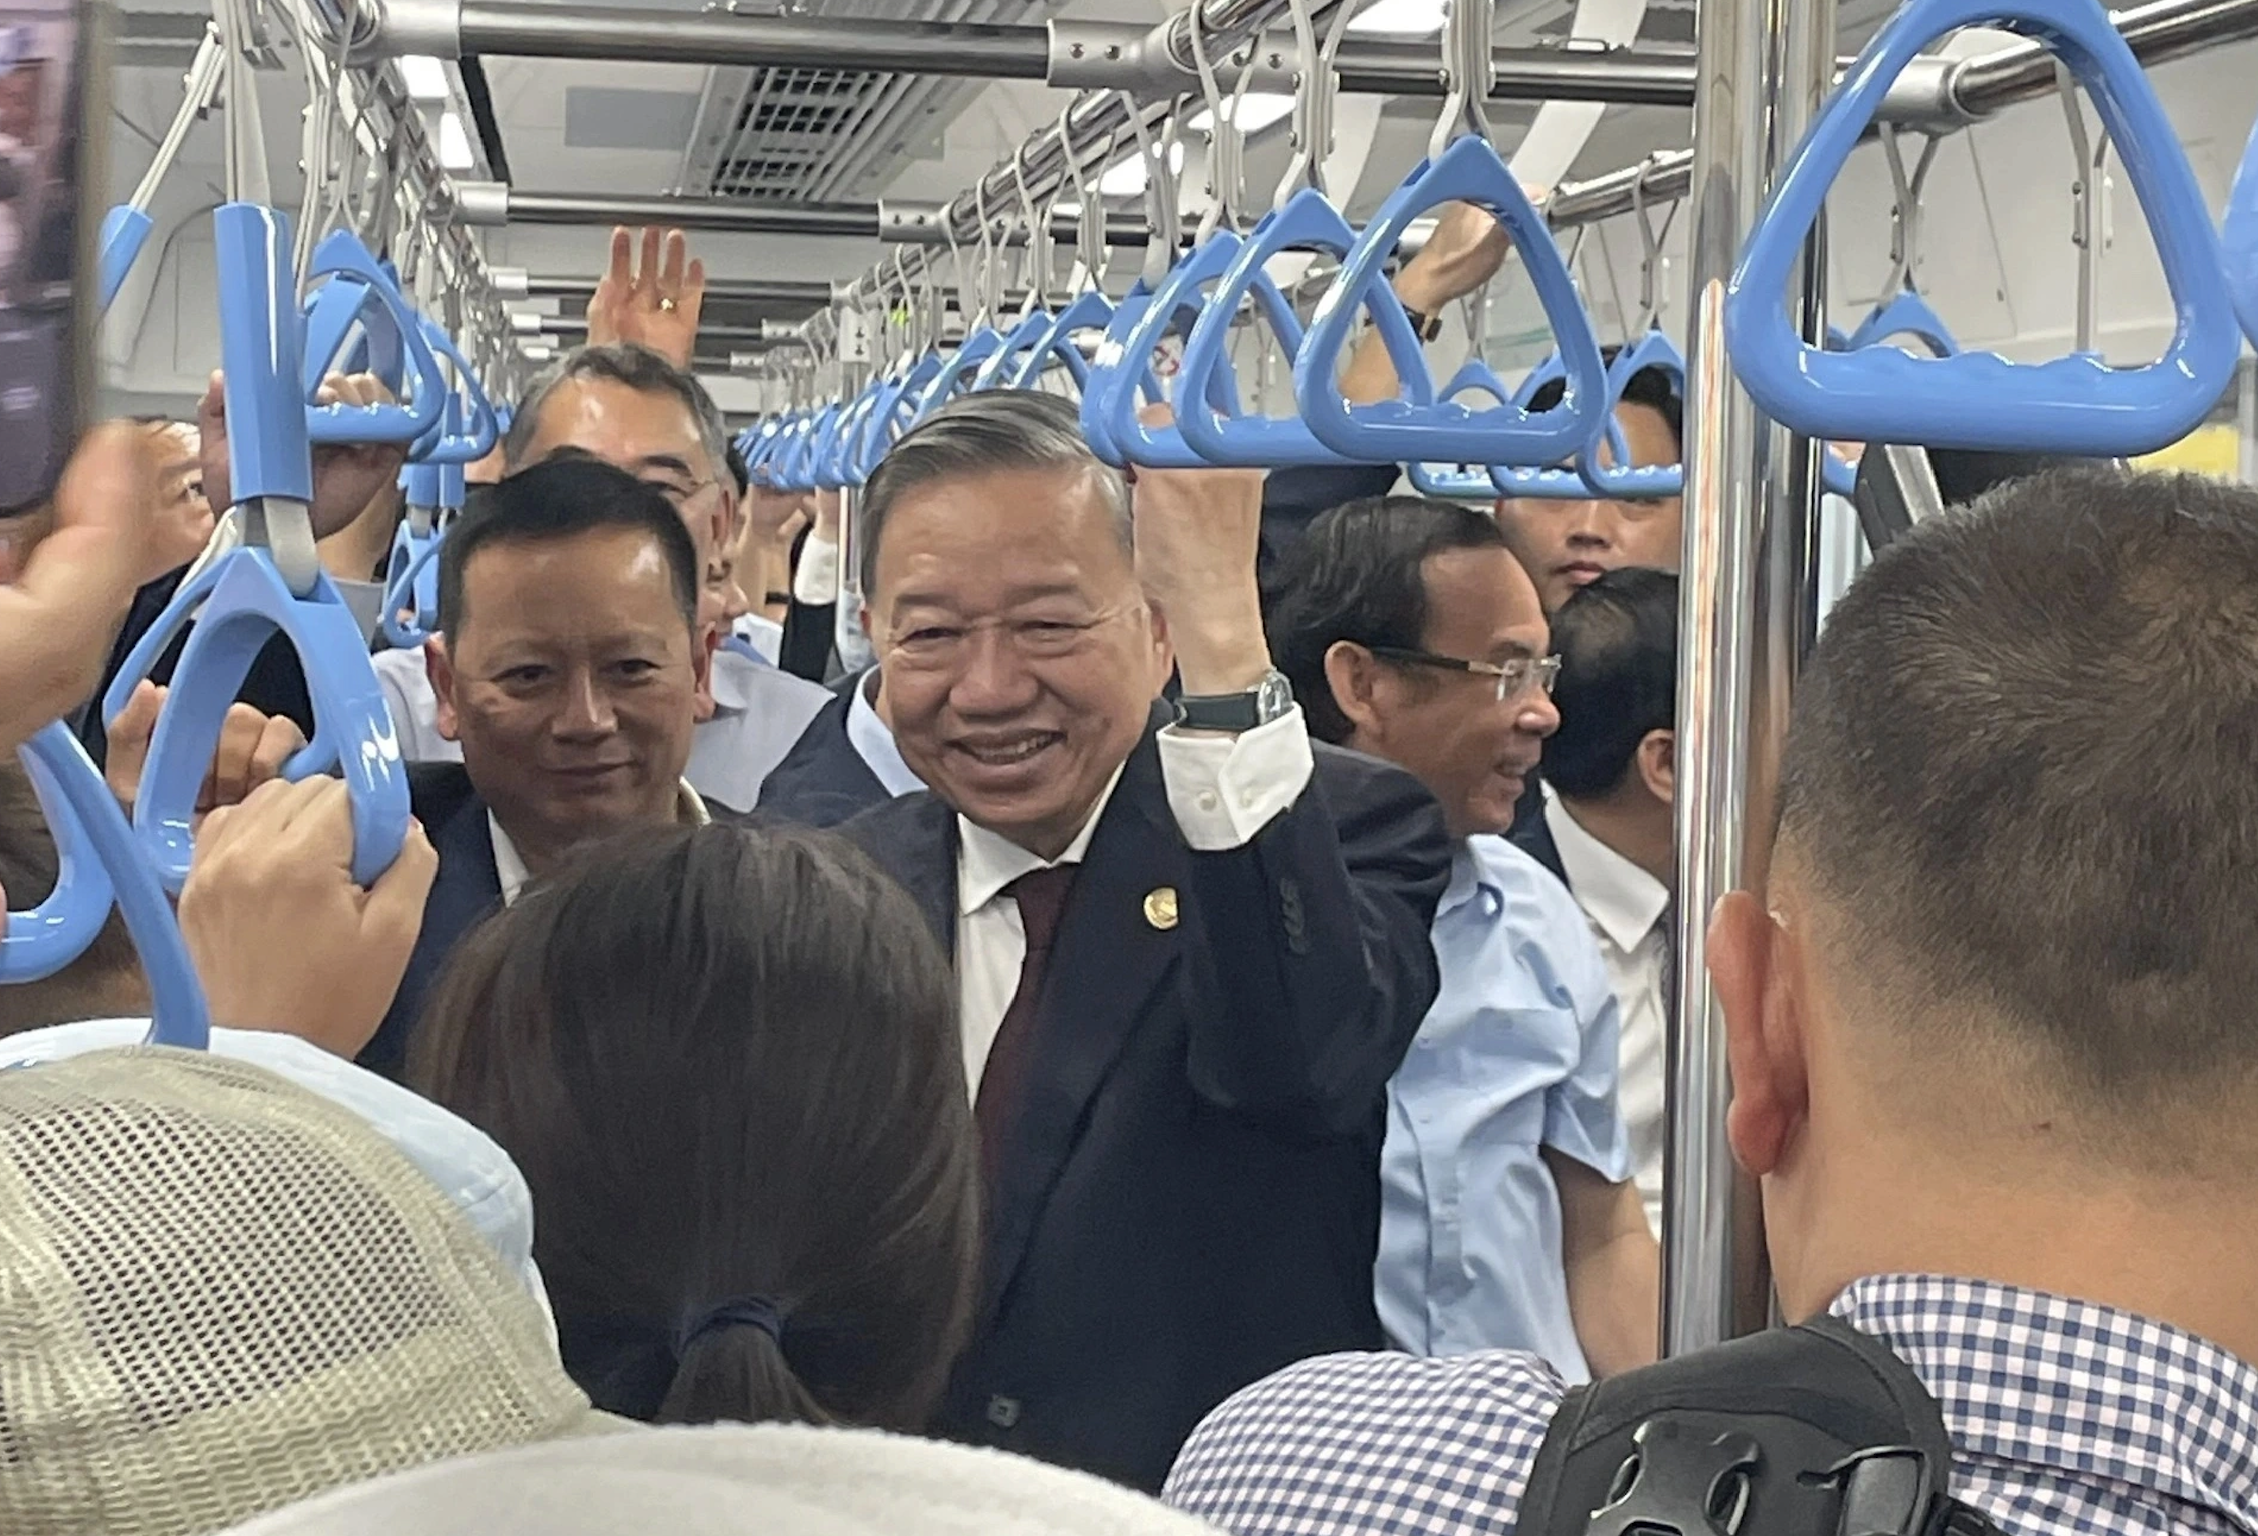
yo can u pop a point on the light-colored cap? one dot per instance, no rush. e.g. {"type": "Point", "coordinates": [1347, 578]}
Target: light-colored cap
{"type": "Point", "coordinates": [454, 1154]}
{"type": "Point", "coordinates": [221, 1294]}
{"type": "Point", "coordinates": [736, 1480]}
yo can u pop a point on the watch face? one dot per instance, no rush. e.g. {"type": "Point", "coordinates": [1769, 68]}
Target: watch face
{"type": "Point", "coordinates": [1274, 697]}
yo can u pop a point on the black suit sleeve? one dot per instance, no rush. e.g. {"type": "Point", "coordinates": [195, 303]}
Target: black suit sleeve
{"type": "Point", "coordinates": [1316, 943]}
{"type": "Point", "coordinates": [275, 685]}
{"type": "Point", "coordinates": [805, 650]}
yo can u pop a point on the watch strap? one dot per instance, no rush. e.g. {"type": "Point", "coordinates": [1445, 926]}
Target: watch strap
{"type": "Point", "coordinates": [1238, 712]}
{"type": "Point", "coordinates": [1426, 326]}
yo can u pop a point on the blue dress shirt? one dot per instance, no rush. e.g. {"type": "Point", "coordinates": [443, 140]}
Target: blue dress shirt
{"type": "Point", "coordinates": [1517, 1054]}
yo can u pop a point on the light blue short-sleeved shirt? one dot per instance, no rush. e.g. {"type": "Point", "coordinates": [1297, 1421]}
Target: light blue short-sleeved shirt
{"type": "Point", "coordinates": [1517, 1054]}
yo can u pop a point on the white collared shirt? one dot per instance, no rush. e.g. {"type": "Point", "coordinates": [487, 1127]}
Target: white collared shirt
{"type": "Point", "coordinates": [1221, 789]}
{"type": "Point", "coordinates": [874, 743]}
{"type": "Point", "coordinates": [1624, 905]}
{"type": "Point", "coordinates": [509, 864]}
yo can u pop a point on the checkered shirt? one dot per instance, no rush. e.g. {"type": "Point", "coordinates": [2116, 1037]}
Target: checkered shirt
{"type": "Point", "coordinates": [2068, 1419]}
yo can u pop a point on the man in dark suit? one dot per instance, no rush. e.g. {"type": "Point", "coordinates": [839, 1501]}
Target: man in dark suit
{"type": "Point", "coordinates": [846, 760]}
{"type": "Point", "coordinates": [568, 667]}
{"type": "Point", "coordinates": [1192, 948]}
{"type": "Point", "coordinates": [844, 763]}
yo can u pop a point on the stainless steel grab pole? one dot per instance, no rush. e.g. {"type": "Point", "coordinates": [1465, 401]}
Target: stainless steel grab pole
{"type": "Point", "coordinates": [1014, 51]}
{"type": "Point", "coordinates": [1747, 591]}
{"type": "Point", "coordinates": [973, 50]}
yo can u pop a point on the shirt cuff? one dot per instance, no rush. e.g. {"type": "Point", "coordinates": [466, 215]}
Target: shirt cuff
{"type": "Point", "coordinates": [1225, 789]}
{"type": "Point", "coordinates": [815, 581]}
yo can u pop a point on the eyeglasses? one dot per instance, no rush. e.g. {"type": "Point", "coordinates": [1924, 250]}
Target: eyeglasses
{"type": "Point", "coordinates": [1515, 679]}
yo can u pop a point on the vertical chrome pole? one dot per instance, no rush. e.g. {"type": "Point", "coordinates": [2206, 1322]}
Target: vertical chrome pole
{"type": "Point", "coordinates": [1750, 598]}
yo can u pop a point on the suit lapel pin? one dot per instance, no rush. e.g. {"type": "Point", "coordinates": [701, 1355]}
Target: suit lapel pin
{"type": "Point", "coordinates": [1160, 908]}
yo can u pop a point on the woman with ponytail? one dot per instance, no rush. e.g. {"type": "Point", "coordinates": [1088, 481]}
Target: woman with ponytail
{"type": "Point", "coordinates": [728, 1063]}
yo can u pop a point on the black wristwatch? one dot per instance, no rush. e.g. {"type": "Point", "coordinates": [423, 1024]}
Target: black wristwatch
{"type": "Point", "coordinates": [1427, 327]}
{"type": "Point", "coordinates": [1268, 700]}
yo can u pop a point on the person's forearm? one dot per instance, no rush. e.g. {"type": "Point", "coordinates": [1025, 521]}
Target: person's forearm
{"type": "Point", "coordinates": [1615, 1299]}
{"type": "Point", "coordinates": [1371, 374]}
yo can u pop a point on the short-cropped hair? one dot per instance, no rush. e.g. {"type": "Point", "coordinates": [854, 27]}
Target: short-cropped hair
{"type": "Point", "coordinates": [560, 498]}
{"type": "Point", "coordinates": [1618, 646]}
{"type": "Point", "coordinates": [979, 434]}
{"type": "Point", "coordinates": [631, 366]}
{"type": "Point", "coordinates": [1650, 387]}
{"type": "Point", "coordinates": [1360, 574]}
{"type": "Point", "coordinates": [2023, 774]}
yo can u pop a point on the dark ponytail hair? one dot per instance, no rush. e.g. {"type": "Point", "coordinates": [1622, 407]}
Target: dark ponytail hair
{"type": "Point", "coordinates": [728, 1063]}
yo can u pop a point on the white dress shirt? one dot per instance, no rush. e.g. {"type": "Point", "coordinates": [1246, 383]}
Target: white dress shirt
{"type": "Point", "coordinates": [1624, 905]}
{"type": "Point", "coordinates": [1222, 790]}
{"type": "Point", "coordinates": [509, 864]}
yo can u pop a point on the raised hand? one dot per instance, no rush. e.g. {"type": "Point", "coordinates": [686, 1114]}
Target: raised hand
{"type": "Point", "coordinates": [347, 476]}
{"type": "Point", "coordinates": [654, 303]}
{"type": "Point", "coordinates": [1197, 534]}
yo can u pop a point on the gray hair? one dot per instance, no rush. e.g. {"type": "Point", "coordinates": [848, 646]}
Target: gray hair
{"type": "Point", "coordinates": [978, 434]}
{"type": "Point", "coordinates": [633, 366]}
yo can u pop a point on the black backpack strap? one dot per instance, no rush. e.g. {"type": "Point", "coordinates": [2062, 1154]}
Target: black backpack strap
{"type": "Point", "coordinates": [1811, 1431]}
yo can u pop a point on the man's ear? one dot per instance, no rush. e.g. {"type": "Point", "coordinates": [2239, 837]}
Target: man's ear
{"type": "Point", "coordinates": [703, 643]}
{"type": "Point", "coordinates": [1658, 765]}
{"type": "Point", "coordinates": [1756, 969]}
{"type": "Point", "coordinates": [1354, 676]}
{"type": "Point", "coordinates": [440, 669]}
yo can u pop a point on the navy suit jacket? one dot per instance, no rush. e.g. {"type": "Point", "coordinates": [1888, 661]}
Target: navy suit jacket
{"type": "Point", "coordinates": [1190, 1198]}
{"type": "Point", "coordinates": [823, 780]}
{"type": "Point", "coordinates": [466, 890]}
{"type": "Point", "coordinates": [1532, 834]}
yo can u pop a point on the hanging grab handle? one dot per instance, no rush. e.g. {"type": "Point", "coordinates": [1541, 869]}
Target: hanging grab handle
{"type": "Point", "coordinates": [125, 230]}
{"type": "Point", "coordinates": [1179, 302]}
{"type": "Point", "coordinates": [1619, 479]}
{"type": "Point", "coordinates": [385, 312]}
{"type": "Point", "coordinates": [101, 865]}
{"type": "Point", "coordinates": [1551, 482]}
{"type": "Point", "coordinates": [2241, 240]}
{"type": "Point", "coordinates": [1461, 482]}
{"type": "Point", "coordinates": [1421, 426]}
{"type": "Point", "coordinates": [468, 427]}
{"type": "Point", "coordinates": [1090, 311]}
{"type": "Point", "coordinates": [414, 558]}
{"type": "Point", "coordinates": [1112, 359]}
{"type": "Point", "coordinates": [1306, 222]}
{"type": "Point", "coordinates": [1979, 400]}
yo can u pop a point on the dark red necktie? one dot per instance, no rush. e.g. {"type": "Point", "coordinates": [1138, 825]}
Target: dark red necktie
{"type": "Point", "coordinates": [1041, 896]}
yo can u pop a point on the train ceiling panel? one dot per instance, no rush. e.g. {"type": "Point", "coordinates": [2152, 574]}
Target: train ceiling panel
{"type": "Point", "coordinates": [822, 135]}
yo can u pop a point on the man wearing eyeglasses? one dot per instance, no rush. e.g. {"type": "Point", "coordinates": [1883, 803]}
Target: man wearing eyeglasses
{"type": "Point", "coordinates": [632, 408]}
{"type": "Point", "coordinates": [1508, 1219]}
